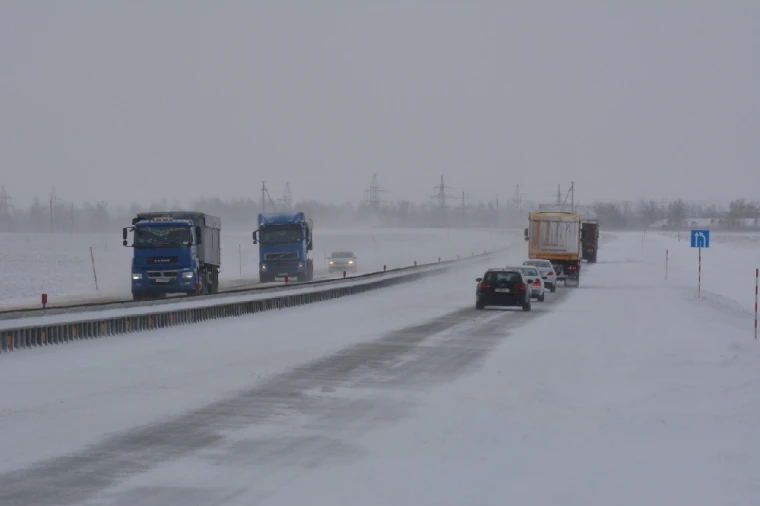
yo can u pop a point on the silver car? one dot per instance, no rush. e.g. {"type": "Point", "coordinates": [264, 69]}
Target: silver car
{"type": "Point", "coordinates": [340, 261]}
{"type": "Point", "coordinates": [547, 271]}
{"type": "Point", "coordinates": [537, 288]}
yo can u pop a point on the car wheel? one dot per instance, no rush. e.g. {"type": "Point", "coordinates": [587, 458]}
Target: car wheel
{"type": "Point", "coordinates": [478, 305]}
{"type": "Point", "coordinates": [526, 307]}
{"type": "Point", "coordinates": [553, 288]}
{"type": "Point", "coordinates": [541, 297]}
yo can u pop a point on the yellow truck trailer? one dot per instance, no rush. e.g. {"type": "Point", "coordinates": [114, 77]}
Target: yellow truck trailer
{"type": "Point", "coordinates": [557, 237]}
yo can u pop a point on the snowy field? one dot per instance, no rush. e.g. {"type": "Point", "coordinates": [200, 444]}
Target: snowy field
{"type": "Point", "coordinates": [728, 266]}
{"type": "Point", "coordinates": [60, 264]}
{"type": "Point", "coordinates": [627, 390]}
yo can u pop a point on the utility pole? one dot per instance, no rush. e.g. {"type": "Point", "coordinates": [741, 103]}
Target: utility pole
{"type": "Point", "coordinates": [53, 199]}
{"type": "Point", "coordinates": [463, 207]}
{"type": "Point", "coordinates": [265, 196]}
{"type": "Point", "coordinates": [497, 210]}
{"type": "Point", "coordinates": [5, 210]}
{"type": "Point", "coordinates": [441, 197]}
{"type": "Point", "coordinates": [572, 196]}
{"type": "Point", "coordinates": [287, 197]}
{"type": "Point", "coordinates": [559, 196]}
{"type": "Point", "coordinates": [372, 194]}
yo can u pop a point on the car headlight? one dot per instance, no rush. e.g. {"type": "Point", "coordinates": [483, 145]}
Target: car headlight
{"type": "Point", "coordinates": [332, 263]}
{"type": "Point", "coordinates": [136, 276]}
{"type": "Point", "coordinates": [187, 275]}
{"type": "Point", "coordinates": [350, 261]}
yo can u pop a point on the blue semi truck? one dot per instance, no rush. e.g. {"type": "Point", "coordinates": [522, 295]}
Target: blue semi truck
{"type": "Point", "coordinates": [175, 252]}
{"type": "Point", "coordinates": [284, 240]}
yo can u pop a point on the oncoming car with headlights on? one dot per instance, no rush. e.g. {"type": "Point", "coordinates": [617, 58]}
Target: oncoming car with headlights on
{"type": "Point", "coordinates": [340, 261]}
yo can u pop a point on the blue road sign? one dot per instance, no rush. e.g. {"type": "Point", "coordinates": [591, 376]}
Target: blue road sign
{"type": "Point", "coordinates": [700, 238]}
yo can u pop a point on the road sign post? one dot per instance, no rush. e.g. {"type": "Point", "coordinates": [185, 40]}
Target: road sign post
{"type": "Point", "coordinates": [757, 274]}
{"type": "Point", "coordinates": [666, 265]}
{"type": "Point", "coordinates": [700, 239]}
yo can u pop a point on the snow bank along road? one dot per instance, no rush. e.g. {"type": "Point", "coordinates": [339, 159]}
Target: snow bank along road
{"type": "Point", "coordinates": [618, 392]}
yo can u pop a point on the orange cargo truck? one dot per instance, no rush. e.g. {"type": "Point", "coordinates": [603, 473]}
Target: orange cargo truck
{"type": "Point", "coordinates": [557, 237]}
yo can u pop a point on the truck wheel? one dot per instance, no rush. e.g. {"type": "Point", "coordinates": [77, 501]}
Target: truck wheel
{"type": "Point", "coordinates": [592, 260]}
{"type": "Point", "coordinates": [309, 270]}
{"type": "Point", "coordinates": [137, 296]}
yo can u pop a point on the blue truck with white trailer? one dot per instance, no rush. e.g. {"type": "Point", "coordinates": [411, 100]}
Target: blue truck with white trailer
{"type": "Point", "coordinates": [175, 252]}
{"type": "Point", "coordinates": [284, 240]}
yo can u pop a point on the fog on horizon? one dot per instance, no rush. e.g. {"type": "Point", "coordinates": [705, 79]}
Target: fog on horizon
{"type": "Point", "coordinates": [138, 101]}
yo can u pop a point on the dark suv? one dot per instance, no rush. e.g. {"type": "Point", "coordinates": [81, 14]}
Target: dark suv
{"type": "Point", "coordinates": [502, 287]}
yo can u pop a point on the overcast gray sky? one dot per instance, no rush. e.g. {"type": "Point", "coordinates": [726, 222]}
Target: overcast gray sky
{"type": "Point", "coordinates": [138, 100]}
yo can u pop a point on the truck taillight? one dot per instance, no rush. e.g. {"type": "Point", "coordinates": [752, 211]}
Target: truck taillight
{"type": "Point", "coordinates": [483, 285]}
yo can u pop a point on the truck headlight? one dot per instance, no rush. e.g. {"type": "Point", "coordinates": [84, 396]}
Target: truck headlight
{"type": "Point", "coordinates": [332, 263]}
{"type": "Point", "coordinates": [300, 265]}
{"type": "Point", "coordinates": [263, 267]}
{"type": "Point", "coordinates": [350, 262]}
{"type": "Point", "coordinates": [136, 276]}
{"type": "Point", "coordinates": [187, 275]}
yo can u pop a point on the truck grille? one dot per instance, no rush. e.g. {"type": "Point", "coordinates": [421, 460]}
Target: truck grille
{"type": "Point", "coordinates": [162, 274]}
{"type": "Point", "coordinates": [162, 260]}
{"type": "Point", "coordinates": [293, 255]}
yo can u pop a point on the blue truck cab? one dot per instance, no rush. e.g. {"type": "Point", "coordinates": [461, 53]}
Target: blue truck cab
{"type": "Point", "coordinates": [284, 240]}
{"type": "Point", "coordinates": [174, 252]}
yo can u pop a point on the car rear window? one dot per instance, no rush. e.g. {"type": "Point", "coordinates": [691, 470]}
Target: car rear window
{"type": "Point", "coordinates": [509, 277]}
{"type": "Point", "coordinates": [530, 272]}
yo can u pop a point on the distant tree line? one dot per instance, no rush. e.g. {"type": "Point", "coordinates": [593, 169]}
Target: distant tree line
{"type": "Point", "coordinates": [55, 215]}
{"type": "Point", "coordinates": [58, 216]}
{"type": "Point", "coordinates": [677, 215]}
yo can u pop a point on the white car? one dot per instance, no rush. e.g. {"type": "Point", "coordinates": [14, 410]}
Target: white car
{"type": "Point", "coordinates": [537, 287]}
{"type": "Point", "coordinates": [547, 271]}
{"type": "Point", "coordinates": [342, 261]}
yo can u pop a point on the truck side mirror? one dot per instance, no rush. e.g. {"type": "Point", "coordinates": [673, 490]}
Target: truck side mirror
{"type": "Point", "coordinates": [124, 236]}
{"type": "Point", "coordinates": [255, 237]}
{"type": "Point", "coordinates": [198, 237]}
{"type": "Point", "coordinates": [526, 234]}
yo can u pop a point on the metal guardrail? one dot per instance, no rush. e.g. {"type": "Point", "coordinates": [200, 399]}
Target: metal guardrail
{"type": "Point", "coordinates": [24, 337]}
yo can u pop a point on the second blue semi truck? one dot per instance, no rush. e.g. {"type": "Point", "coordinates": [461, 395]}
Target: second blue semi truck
{"type": "Point", "coordinates": [284, 240]}
{"type": "Point", "coordinates": [175, 252]}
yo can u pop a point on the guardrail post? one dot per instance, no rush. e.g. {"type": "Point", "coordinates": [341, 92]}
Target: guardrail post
{"type": "Point", "coordinates": [344, 274]}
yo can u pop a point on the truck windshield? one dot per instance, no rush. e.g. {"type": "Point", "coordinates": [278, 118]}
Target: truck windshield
{"type": "Point", "coordinates": [162, 237]}
{"type": "Point", "coordinates": [280, 235]}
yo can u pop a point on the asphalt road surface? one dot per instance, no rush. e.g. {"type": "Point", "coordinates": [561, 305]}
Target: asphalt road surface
{"type": "Point", "coordinates": [241, 449]}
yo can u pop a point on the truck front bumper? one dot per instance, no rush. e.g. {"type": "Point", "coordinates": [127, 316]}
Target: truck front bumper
{"type": "Point", "coordinates": [279, 269]}
{"type": "Point", "coordinates": [145, 282]}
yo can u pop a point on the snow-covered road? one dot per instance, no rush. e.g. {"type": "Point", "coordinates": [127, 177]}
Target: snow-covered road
{"type": "Point", "coordinates": [626, 390]}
